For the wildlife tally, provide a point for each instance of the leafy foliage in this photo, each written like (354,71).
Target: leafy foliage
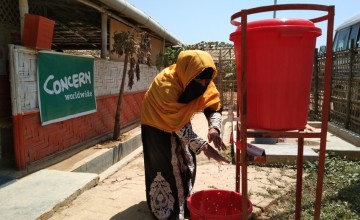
(94,53)
(209,45)
(341,189)
(167,57)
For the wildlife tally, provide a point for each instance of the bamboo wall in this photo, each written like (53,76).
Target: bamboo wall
(345,87)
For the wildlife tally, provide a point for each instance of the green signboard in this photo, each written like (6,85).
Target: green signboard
(65,86)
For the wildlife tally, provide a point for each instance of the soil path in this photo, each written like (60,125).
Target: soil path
(122,195)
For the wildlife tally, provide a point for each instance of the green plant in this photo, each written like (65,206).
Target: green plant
(209,45)
(167,56)
(341,192)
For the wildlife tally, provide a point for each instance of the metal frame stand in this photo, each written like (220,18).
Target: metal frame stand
(244,131)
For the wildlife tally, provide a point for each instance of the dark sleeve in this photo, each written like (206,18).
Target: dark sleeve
(209,111)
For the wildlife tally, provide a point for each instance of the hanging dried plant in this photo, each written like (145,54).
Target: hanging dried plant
(131,73)
(124,43)
(131,78)
(137,70)
(145,48)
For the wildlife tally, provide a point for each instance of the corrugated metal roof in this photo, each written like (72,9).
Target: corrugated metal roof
(78,25)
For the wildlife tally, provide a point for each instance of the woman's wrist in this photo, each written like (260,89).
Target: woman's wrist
(202,148)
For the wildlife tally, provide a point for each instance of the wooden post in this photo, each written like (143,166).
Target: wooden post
(316,83)
(23,9)
(104,29)
(348,96)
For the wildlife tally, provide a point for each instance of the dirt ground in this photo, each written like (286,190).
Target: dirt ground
(122,195)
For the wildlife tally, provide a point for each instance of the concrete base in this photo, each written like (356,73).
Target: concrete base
(287,154)
(35,197)
(101,156)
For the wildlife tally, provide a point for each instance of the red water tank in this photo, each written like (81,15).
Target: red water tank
(280,54)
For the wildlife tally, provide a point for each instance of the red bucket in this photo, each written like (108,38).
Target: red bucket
(280,54)
(216,204)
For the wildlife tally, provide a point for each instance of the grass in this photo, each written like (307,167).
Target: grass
(341,193)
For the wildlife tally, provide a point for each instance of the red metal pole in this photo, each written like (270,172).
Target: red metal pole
(237,142)
(243,121)
(299,174)
(325,112)
(237,166)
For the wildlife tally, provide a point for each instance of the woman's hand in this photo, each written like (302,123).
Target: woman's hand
(309,129)
(210,152)
(214,137)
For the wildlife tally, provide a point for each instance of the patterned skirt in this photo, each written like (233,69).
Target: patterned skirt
(170,168)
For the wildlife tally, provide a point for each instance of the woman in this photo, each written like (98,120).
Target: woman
(169,143)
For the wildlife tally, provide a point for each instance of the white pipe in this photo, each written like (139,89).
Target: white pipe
(85,2)
(275,2)
(23,9)
(139,16)
(104,42)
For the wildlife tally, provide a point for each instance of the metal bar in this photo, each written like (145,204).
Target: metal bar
(237,159)
(278,8)
(350,79)
(243,115)
(237,167)
(299,173)
(284,134)
(274,15)
(325,111)
(319,19)
(238,163)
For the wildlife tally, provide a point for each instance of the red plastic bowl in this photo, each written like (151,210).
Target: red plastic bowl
(216,204)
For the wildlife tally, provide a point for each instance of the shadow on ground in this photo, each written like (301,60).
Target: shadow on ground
(139,211)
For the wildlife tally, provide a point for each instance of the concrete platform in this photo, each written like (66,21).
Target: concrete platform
(38,195)
(100,157)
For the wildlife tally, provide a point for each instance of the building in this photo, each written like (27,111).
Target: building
(26,142)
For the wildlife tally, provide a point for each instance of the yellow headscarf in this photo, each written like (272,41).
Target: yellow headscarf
(160,107)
